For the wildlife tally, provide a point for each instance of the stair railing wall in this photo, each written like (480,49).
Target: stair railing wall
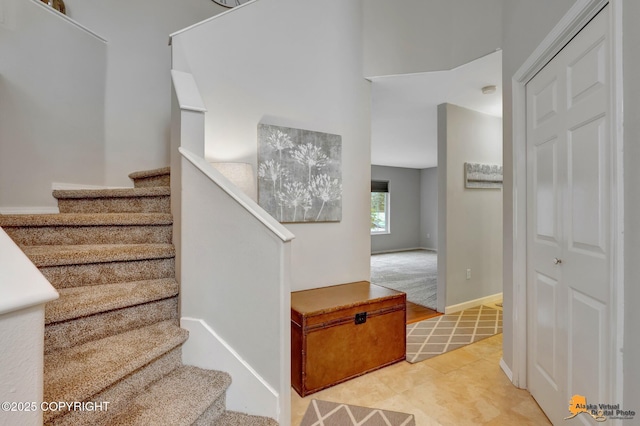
(24,293)
(233,265)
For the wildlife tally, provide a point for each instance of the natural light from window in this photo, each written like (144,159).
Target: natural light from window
(379,213)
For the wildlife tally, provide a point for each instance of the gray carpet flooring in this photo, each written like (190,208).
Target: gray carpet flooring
(414,272)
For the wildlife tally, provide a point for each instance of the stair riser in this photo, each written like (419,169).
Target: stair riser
(212,413)
(120,393)
(106,273)
(162,180)
(156,204)
(112,234)
(82,330)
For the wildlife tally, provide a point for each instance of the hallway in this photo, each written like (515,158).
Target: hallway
(462,387)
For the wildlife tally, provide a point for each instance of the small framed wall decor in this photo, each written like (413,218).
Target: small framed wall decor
(482,176)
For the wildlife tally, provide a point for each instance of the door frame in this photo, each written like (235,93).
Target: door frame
(574,20)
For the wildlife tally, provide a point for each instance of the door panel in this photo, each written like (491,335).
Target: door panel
(545,359)
(585,181)
(546,192)
(588,345)
(568,224)
(587,73)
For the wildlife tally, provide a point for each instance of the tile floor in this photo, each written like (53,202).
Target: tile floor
(462,387)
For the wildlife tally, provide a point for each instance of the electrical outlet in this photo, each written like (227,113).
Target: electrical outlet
(468,273)
(428,235)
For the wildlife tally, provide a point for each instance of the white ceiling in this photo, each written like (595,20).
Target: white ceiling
(404,109)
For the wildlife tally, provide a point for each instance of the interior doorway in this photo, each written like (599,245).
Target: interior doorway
(406,156)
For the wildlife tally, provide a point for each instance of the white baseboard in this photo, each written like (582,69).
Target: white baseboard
(471,303)
(505,368)
(249,392)
(404,249)
(429,249)
(29,210)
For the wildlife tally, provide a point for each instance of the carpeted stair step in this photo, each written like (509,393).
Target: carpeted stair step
(120,394)
(77,265)
(232,418)
(180,398)
(151,178)
(76,302)
(126,200)
(80,372)
(62,335)
(85,228)
(54,255)
(65,276)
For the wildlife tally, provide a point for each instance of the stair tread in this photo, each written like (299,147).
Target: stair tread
(179,398)
(233,418)
(85,219)
(113,193)
(76,302)
(77,373)
(56,255)
(150,173)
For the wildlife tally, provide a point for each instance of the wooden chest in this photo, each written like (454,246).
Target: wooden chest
(344,331)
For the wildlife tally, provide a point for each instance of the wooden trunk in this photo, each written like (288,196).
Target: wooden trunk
(344,331)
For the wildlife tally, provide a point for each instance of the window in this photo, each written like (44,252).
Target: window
(379,207)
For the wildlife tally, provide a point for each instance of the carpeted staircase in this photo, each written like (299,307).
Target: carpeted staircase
(114,335)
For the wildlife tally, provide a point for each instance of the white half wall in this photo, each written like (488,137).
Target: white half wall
(52,99)
(410,36)
(294,64)
(21,357)
(473,216)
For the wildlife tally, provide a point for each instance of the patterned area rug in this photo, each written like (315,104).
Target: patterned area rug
(414,272)
(324,413)
(435,336)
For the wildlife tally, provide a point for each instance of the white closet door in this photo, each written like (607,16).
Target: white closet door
(568,224)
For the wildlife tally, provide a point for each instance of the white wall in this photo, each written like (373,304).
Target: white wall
(631,39)
(409,36)
(138,90)
(404,209)
(429,208)
(473,216)
(524,25)
(295,64)
(52,95)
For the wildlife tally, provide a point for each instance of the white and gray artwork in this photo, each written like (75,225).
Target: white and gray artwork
(299,174)
(482,175)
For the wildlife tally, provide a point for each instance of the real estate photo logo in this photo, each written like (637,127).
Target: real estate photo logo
(599,412)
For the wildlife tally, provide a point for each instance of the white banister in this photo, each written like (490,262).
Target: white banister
(22,285)
(187,91)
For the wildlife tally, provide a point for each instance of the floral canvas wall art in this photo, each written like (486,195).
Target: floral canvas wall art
(299,174)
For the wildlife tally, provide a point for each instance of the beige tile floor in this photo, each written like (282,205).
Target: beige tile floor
(462,387)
